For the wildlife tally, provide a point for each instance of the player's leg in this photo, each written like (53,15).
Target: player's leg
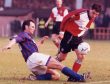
(75,42)
(65,47)
(55,74)
(56,40)
(61,34)
(51,74)
(55,34)
(77,64)
(53,63)
(61,56)
(37,65)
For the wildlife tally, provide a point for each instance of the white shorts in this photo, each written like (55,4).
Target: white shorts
(37,63)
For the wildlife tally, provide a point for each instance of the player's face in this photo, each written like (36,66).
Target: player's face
(93,13)
(31,28)
(59,3)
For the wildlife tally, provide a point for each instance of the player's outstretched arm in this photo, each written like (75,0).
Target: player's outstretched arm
(41,41)
(9,45)
(48,21)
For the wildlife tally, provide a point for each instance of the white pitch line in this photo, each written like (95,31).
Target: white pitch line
(97,82)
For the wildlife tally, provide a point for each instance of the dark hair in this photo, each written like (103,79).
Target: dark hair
(26,22)
(97,8)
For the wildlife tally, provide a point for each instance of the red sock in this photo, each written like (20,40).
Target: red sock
(76,66)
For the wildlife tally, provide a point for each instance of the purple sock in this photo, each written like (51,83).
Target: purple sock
(46,76)
(68,72)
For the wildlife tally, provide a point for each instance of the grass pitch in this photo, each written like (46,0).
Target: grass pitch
(13,69)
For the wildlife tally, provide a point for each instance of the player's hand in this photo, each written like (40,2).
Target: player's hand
(41,41)
(5,48)
(46,24)
(61,32)
(44,38)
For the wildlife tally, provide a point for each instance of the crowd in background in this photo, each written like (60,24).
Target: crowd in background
(43,4)
(102,21)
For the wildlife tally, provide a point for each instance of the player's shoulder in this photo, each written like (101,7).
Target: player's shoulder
(54,8)
(75,12)
(23,34)
(78,11)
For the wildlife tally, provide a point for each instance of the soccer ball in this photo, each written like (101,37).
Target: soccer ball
(83,48)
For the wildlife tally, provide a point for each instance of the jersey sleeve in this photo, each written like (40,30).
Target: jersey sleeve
(52,15)
(65,12)
(19,38)
(69,16)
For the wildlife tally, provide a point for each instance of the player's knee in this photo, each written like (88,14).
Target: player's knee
(56,76)
(60,66)
(81,57)
(62,59)
(80,60)
(53,63)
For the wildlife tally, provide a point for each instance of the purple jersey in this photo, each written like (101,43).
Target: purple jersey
(27,44)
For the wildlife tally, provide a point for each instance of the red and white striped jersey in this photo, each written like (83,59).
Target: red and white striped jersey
(58,13)
(78,24)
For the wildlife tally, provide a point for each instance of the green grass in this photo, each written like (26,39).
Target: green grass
(13,69)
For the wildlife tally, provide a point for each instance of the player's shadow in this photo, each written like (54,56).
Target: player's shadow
(13,78)
(26,79)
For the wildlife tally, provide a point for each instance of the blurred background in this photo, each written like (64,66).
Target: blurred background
(14,12)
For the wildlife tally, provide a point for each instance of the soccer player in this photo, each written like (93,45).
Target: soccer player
(57,15)
(75,24)
(41,65)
